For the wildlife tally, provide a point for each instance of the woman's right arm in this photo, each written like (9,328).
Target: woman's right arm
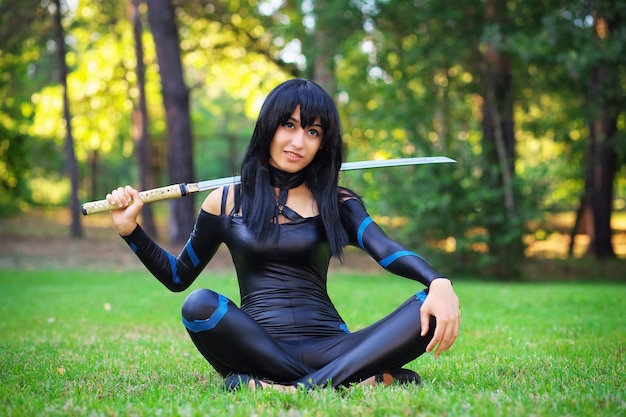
(175,273)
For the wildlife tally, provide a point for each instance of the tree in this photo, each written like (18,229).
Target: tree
(605,103)
(323,32)
(516,94)
(72,165)
(505,233)
(449,73)
(176,103)
(423,80)
(140,122)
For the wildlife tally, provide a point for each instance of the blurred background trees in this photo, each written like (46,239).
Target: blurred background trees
(527,96)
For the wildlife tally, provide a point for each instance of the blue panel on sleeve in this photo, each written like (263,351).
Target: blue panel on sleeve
(389,259)
(174,268)
(192,254)
(133,247)
(366,221)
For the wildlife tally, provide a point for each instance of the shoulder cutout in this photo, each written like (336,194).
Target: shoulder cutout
(213,202)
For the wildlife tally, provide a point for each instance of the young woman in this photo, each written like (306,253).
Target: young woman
(282,225)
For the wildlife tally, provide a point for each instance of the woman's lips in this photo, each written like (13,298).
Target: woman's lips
(292,156)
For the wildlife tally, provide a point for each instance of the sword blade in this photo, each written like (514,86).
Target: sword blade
(380,163)
(217,183)
(346,166)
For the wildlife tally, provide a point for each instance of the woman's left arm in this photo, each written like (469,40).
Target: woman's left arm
(391,255)
(442,302)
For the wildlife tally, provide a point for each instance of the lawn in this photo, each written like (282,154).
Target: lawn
(111,344)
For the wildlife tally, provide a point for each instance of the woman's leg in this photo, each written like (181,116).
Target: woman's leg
(386,345)
(234,343)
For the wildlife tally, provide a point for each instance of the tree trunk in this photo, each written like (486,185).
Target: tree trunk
(76,229)
(320,48)
(504,227)
(580,223)
(604,103)
(176,102)
(323,67)
(93,162)
(140,124)
(601,164)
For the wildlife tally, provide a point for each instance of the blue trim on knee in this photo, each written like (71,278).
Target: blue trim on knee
(344,328)
(207,324)
(421,296)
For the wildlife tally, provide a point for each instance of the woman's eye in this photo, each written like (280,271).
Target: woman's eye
(289,124)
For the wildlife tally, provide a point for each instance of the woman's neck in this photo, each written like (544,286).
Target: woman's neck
(286,180)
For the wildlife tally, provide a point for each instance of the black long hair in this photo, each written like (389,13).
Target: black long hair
(258,196)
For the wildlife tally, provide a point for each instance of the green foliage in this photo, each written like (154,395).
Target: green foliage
(424,62)
(407,77)
(22,154)
(15,162)
(91,349)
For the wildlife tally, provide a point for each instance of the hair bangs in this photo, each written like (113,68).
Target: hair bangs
(313,105)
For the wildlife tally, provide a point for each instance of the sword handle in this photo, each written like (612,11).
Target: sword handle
(148,196)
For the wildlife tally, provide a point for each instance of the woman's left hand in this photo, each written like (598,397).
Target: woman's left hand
(443,304)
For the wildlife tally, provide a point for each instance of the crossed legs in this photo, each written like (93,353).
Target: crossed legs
(233,343)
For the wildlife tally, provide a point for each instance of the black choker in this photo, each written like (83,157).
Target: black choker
(286,180)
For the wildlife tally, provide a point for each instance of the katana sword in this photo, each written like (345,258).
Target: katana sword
(184,189)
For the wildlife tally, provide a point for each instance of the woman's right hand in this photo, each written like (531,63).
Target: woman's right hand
(129,204)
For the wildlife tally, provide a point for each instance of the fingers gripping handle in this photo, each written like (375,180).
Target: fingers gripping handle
(148,196)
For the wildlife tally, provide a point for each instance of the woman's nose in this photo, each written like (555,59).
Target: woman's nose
(297,138)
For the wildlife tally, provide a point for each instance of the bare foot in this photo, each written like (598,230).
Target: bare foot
(271,385)
(387,380)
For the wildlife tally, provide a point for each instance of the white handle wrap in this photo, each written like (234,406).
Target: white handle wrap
(148,196)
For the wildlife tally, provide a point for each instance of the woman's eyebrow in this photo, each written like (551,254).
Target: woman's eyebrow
(293,119)
(314,125)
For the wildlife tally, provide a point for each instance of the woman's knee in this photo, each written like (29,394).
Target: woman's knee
(200,304)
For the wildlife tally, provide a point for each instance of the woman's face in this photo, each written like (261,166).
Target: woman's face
(294,146)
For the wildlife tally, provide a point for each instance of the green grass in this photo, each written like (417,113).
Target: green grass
(111,344)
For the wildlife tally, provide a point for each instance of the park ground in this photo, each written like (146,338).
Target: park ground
(79,338)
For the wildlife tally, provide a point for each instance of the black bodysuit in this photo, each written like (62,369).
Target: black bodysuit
(287,329)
